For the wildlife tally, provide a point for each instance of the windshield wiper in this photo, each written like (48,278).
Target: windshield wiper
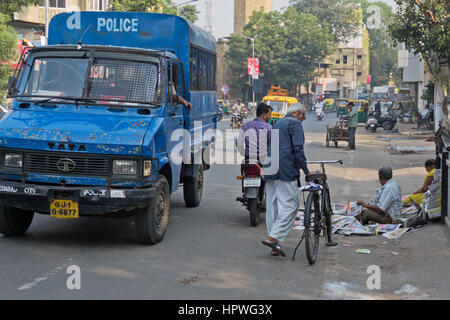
(67,98)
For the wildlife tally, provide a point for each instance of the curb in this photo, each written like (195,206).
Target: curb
(410,149)
(418,133)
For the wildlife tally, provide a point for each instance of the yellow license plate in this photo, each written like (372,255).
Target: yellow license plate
(64,209)
(276,115)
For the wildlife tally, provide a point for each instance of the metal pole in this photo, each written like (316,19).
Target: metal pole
(46,20)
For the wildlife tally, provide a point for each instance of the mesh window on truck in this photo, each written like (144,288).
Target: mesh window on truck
(129,79)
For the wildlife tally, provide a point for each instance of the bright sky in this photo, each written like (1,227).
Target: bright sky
(223,10)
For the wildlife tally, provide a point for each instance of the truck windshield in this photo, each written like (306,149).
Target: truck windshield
(62,77)
(109,78)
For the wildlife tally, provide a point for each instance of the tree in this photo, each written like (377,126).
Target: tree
(289,46)
(8,7)
(8,40)
(337,15)
(423,27)
(189,12)
(383,55)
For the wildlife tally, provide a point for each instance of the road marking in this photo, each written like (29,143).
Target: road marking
(44,277)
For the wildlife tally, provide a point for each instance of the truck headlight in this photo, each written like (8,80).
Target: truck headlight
(125,167)
(14,160)
(147,170)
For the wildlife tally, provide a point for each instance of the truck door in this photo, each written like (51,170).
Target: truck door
(175,120)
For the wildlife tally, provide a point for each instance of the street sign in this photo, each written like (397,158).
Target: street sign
(225,89)
(253,67)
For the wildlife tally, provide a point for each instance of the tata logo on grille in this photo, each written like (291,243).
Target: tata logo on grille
(66,165)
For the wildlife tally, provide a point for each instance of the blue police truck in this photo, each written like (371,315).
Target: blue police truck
(91,128)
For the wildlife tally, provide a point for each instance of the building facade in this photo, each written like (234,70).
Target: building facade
(413,73)
(29,23)
(345,72)
(243,10)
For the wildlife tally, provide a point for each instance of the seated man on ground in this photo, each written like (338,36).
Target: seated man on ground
(386,205)
(417,197)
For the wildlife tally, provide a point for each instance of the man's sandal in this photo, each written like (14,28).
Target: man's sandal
(275,246)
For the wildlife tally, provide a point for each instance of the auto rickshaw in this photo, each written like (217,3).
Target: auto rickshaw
(363,109)
(329,105)
(225,105)
(341,106)
(279,104)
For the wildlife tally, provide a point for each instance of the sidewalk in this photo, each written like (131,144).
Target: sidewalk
(411,140)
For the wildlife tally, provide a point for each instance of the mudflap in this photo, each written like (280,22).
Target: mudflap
(251,193)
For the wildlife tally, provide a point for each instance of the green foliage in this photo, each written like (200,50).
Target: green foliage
(8,40)
(383,56)
(189,12)
(337,15)
(8,7)
(289,46)
(424,28)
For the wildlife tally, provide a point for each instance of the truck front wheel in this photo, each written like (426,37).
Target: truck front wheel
(151,222)
(193,189)
(14,221)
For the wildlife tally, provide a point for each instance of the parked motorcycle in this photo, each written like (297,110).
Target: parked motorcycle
(253,196)
(387,122)
(319,112)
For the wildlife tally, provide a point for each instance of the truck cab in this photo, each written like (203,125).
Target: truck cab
(99,125)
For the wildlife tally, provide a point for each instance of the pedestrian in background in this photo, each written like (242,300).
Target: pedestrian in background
(282,188)
(352,125)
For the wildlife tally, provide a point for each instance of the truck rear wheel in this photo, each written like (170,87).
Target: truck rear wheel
(193,189)
(14,221)
(151,222)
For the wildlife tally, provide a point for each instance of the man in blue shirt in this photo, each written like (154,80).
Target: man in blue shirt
(386,205)
(282,187)
(254,138)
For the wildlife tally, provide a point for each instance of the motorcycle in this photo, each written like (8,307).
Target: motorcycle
(244,112)
(319,112)
(253,196)
(387,122)
(219,113)
(237,120)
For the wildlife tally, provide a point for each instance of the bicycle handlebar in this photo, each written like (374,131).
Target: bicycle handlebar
(325,161)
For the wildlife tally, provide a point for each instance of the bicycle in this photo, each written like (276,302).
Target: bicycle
(318,212)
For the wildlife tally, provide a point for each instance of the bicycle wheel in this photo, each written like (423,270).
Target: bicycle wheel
(312,226)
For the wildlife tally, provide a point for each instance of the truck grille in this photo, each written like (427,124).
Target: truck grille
(80,165)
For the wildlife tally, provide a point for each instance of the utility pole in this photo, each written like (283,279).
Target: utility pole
(209,20)
(46,20)
(253,56)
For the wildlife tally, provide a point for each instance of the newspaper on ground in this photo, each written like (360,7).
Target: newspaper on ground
(396,233)
(383,228)
(346,209)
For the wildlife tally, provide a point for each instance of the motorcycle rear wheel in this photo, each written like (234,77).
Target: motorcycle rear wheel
(254,211)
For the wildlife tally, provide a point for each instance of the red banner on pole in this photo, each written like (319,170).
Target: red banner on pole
(253,66)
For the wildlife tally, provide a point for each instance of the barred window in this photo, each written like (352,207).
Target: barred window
(202,70)
(127,80)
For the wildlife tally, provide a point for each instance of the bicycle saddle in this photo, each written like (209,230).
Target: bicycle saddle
(316,177)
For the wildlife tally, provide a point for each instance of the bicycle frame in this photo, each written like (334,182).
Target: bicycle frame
(324,194)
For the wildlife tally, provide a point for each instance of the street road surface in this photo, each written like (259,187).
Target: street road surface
(212,252)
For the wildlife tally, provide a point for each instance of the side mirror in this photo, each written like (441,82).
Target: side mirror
(11,85)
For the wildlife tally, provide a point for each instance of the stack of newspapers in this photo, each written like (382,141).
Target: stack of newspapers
(432,198)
